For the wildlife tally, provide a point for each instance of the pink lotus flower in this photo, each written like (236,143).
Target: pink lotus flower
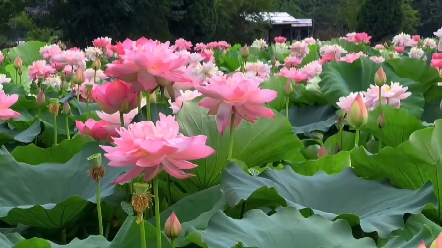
(185,96)
(207,55)
(182,44)
(345,102)
(114,119)
(299,49)
(6,101)
(199,47)
(351,57)
(98,130)
(102,42)
(116,96)
(296,75)
(280,39)
(379,46)
(391,95)
(312,69)
(399,49)
(292,62)
(72,57)
(1,57)
(377,59)
(416,37)
(155,147)
(235,94)
(47,52)
(39,69)
(141,66)
(90,73)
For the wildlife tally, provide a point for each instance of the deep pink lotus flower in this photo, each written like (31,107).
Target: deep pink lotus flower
(237,94)
(40,69)
(280,39)
(292,62)
(155,147)
(182,44)
(352,57)
(149,60)
(102,42)
(98,130)
(116,96)
(399,49)
(6,101)
(199,47)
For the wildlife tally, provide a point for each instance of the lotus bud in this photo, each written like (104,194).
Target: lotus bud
(358,114)
(66,108)
(288,88)
(18,63)
(78,77)
(172,227)
(322,151)
(41,99)
(96,65)
(245,52)
(141,199)
(95,163)
(381,120)
(380,78)
(54,106)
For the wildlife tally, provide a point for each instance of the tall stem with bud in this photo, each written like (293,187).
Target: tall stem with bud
(380,80)
(231,135)
(96,171)
(357,116)
(54,108)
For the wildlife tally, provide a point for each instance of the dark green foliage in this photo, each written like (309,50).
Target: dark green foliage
(380,18)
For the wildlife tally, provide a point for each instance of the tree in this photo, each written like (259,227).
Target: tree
(381,19)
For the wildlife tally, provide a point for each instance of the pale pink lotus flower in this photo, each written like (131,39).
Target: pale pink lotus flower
(403,40)
(223,45)
(391,95)
(351,57)
(310,41)
(429,43)
(40,69)
(153,148)
(296,75)
(6,101)
(235,94)
(47,52)
(312,69)
(299,50)
(68,69)
(102,42)
(54,82)
(187,95)
(203,71)
(438,33)
(142,65)
(199,47)
(83,89)
(258,69)
(292,61)
(182,44)
(89,74)
(71,57)
(345,102)
(93,53)
(4,79)
(336,50)
(377,59)
(259,43)
(379,46)
(195,58)
(98,130)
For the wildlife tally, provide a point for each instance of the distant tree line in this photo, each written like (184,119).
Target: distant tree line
(80,21)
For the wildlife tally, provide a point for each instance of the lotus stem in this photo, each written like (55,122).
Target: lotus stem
(172,243)
(100,217)
(148,110)
(67,127)
(357,137)
(169,191)
(140,97)
(380,107)
(143,235)
(55,130)
(157,211)
(78,93)
(232,129)
(121,119)
(287,102)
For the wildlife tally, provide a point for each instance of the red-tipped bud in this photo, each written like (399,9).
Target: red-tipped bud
(172,227)
(358,114)
(18,63)
(245,52)
(41,99)
(380,78)
(66,108)
(78,77)
(322,152)
(96,65)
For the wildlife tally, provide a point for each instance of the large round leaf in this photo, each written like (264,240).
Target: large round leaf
(330,164)
(410,165)
(399,125)
(376,206)
(340,79)
(312,118)
(277,84)
(28,52)
(285,229)
(50,195)
(265,141)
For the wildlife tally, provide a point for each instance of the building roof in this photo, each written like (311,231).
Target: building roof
(280,18)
